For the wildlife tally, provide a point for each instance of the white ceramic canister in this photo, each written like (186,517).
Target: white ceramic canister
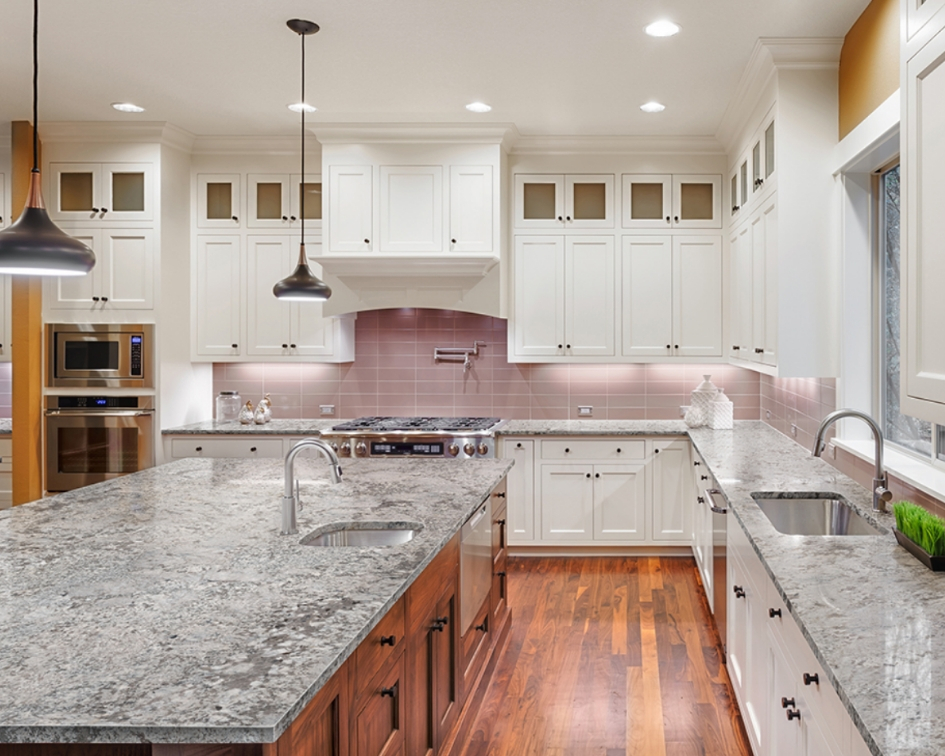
(700,403)
(722,412)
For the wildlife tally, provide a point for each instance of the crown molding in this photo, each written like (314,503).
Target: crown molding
(768,56)
(246,145)
(139,132)
(415,133)
(617,145)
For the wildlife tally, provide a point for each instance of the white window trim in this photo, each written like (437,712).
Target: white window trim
(916,471)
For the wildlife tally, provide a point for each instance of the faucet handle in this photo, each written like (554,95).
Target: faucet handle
(884,493)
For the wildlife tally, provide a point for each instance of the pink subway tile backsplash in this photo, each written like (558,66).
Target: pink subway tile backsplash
(394,373)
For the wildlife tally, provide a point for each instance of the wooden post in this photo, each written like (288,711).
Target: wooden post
(26,345)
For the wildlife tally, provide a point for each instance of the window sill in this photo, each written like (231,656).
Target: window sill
(918,473)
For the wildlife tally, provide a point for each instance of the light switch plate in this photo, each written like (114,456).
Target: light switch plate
(585,411)
(326,409)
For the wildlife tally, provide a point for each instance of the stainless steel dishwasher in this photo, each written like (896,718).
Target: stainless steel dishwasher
(719,509)
(475,563)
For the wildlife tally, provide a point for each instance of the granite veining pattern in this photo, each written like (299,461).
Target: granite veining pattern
(275,427)
(593,428)
(164,606)
(6,426)
(872,614)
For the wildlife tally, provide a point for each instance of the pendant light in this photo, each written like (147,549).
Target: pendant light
(302,285)
(34,245)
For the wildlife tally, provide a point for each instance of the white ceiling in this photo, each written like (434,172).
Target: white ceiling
(559,67)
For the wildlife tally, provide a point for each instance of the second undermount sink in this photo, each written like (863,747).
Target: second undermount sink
(364,534)
(812,515)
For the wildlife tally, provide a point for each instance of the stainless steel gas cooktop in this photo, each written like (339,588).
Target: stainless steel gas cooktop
(459,437)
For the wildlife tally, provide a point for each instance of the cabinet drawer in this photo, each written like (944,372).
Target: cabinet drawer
(269,448)
(442,571)
(379,721)
(476,643)
(616,449)
(384,642)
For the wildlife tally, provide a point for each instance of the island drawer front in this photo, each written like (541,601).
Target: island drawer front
(240,448)
(476,644)
(378,728)
(427,588)
(377,648)
(616,449)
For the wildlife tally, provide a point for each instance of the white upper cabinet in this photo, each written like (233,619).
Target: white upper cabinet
(217,289)
(268,201)
(350,208)
(697,201)
(305,200)
(741,294)
(218,200)
(411,208)
(559,201)
(647,296)
(122,279)
(697,296)
(564,297)
(472,215)
(101,192)
(919,13)
(647,201)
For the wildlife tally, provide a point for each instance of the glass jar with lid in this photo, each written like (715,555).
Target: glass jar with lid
(228,406)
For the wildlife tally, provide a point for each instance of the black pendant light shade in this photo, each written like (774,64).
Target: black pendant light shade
(34,245)
(302,285)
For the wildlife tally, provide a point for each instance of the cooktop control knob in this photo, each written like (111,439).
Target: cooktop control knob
(334,447)
(360,449)
(345,449)
(469,449)
(482,449)
(453,449)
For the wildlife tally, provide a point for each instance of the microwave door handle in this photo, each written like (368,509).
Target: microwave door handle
(102,413)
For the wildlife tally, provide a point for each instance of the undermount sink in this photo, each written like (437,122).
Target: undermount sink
(813,515)
(363,534)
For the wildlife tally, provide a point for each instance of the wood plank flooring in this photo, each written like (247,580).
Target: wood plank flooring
(611,657)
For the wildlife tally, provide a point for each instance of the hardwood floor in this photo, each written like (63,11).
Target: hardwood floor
(608,656)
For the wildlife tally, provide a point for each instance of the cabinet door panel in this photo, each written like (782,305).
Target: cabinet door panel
(567,502)
(312,333)
(268,319)
(521,489)
(130,269)
(127,192)
(697,296)
(76,292)
(742,307)
(378,728)
(311,195)
(539,201)
(647,273)
(589,201)
(218,295)
(74,191)
(218,200)
(697,201)
(471,208)
(350,208)
(647,201)
(589,296)
(446,669)
(539,296)
(784,735)
(619,502)
(267,201)
(411,203)
(759,293)
(672,491)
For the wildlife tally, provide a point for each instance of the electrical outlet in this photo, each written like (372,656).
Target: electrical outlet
(794,430)
(326,409)
(585,411)
(767,414)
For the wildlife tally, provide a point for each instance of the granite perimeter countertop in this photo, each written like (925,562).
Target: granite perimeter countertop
(872,614)
(165,607)
(593,428)
(6,426)
(275,427)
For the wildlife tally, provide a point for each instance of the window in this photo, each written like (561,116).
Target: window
(905,431)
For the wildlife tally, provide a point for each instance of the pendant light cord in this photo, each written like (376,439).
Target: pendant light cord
(302,139)
(35,85)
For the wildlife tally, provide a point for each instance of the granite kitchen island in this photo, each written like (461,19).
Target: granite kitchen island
(164,607)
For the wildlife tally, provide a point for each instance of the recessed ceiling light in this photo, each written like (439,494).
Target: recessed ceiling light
(302,107)
(127,107)
(652,107)
(662,29)
(478,107)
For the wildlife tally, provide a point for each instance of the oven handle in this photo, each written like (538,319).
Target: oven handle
(710,492)
(104,413)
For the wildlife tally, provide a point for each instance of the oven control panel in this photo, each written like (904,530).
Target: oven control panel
(97,402)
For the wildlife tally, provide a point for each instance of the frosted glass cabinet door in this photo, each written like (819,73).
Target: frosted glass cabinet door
(589,296)
(588,201)
(218,200)
(127,192)
(539,201)
(218,294)
(697,296)
(127,265)
(267,203)
(647,201)
(268,319)
(647,296)
(697,201)
(539,296)
(350,208)
(306,198)
(471,208)
(411,204)
(74,191)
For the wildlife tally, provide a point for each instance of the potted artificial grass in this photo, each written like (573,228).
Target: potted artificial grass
(921,533)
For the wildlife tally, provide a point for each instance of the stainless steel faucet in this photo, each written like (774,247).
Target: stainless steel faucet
(881,494)
(290,497)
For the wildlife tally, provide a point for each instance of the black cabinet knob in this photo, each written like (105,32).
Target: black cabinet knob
(500,574)
(560,346)
(499,495)
(292,346)
(588,475)
(667,219)
(676,346)
(252,448)
(619,450)
(235,346)
(94,209)
(676,218)
(518,445)
(696,463)
(482,628)
(104,210)
(759,350)
(656,451)
(568,218)
(437,627)
(785,702)
(199,448)
(567,450)
(95,299)
(700,499)
(104,299)
(285,346)
(285,218)
(236,219)
(367,241)
(442,620)
(793,714)
(388,640)
(813,679)
(560,218)
(704,477)
(453,241)
(596,475)
(735,348)
(669,346)
(569,346)
(389,692)
(775,613)
(738,591)
(292,218)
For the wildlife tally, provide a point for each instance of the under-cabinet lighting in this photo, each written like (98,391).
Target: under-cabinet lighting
(662,29)
(652,107)
(302,107)
(127,107)
(478,107)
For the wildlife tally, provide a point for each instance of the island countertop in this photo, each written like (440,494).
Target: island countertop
(165,607)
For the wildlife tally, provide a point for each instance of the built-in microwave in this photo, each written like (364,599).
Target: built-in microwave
(116,355)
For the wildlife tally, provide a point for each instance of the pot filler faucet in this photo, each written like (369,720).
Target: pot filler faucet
(881,494)
(290,498)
